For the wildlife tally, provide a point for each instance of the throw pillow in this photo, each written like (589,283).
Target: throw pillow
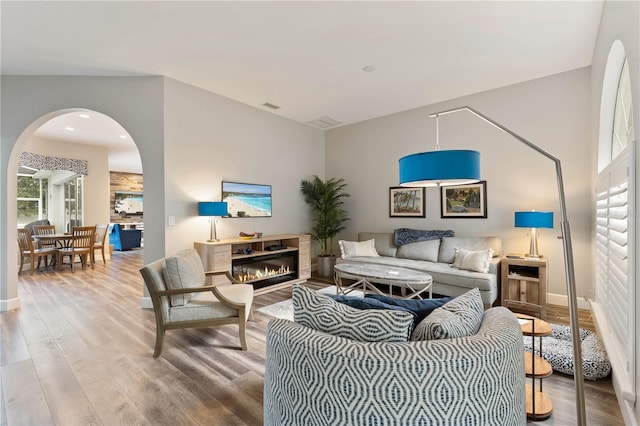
(460,317)
(478,261)
(422,250)
(421,308)
(183,270)
(358,248)
(321,313)
(370,303)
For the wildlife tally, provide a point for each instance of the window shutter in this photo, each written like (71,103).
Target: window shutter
(615,273)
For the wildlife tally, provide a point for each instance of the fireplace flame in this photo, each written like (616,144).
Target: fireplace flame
(267,272)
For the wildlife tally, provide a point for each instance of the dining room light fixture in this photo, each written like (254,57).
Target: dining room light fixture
(213,209)
(424,170)
(440,167)
(533,220)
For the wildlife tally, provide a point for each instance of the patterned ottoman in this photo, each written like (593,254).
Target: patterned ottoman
(557,349)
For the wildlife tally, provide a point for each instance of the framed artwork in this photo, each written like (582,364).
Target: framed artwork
(406,202)
(464,201)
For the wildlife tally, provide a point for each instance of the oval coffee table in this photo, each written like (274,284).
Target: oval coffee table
(366,274)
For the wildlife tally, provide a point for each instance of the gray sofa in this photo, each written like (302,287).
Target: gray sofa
(435,257)
(313,378)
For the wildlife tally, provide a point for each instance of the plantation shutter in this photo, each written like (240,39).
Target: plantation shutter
(615,269)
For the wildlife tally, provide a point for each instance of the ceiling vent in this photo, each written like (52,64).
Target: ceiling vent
(324,122)
(270,105)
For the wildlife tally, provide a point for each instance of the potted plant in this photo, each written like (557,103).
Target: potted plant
(326,199)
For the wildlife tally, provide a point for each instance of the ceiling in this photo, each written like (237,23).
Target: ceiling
(348,61)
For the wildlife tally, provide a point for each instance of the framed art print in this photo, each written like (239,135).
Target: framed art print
(462,201)
(406,202)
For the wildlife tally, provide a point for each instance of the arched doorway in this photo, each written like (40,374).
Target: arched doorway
(47,147)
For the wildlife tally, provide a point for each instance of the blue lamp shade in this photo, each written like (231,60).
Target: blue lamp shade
(534,219)
(446,167)
(212,208)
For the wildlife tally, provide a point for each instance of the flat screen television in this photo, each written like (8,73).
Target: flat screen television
(247,199)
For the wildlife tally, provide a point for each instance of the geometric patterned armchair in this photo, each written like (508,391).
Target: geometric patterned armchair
(181,298)
(314,378)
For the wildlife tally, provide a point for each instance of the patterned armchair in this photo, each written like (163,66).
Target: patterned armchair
(313,378)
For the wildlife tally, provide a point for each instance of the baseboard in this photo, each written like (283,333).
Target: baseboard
(145,303)
(9,305)
(563,300)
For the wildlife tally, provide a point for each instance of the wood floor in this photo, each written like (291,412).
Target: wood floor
(79,349)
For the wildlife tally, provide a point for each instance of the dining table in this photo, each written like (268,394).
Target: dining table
(61,240)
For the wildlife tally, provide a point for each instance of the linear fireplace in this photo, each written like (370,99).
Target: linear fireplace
(262,271)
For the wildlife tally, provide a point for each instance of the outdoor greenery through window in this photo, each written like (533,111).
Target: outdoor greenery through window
(32,199)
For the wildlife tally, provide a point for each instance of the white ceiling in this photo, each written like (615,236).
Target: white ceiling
(306,57)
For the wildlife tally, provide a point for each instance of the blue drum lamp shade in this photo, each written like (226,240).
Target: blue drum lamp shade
(533,220)
(446,167)
(213,209)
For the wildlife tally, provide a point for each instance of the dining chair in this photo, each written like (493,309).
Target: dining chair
(44,230)
(82,241)
(27,250)
(98,244)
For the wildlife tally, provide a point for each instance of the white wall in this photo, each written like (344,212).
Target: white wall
(620,21)
(551,112)
(210,138)
(96,183)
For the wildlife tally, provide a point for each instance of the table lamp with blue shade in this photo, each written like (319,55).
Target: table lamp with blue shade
(534,220)
(213,209)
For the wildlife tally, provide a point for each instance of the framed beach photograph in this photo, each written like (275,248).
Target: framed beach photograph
(406,202)
(462,201)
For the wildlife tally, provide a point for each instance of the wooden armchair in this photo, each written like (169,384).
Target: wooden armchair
(182,300)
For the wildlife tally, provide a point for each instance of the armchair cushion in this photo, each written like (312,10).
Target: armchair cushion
(184,270)
(204,305)
(460,317)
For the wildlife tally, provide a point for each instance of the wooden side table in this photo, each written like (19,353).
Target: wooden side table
(538,406)
(524,279)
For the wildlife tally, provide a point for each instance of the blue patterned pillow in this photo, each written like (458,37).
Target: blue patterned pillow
(403,236)
(322,313)
(421,308)
(458,318)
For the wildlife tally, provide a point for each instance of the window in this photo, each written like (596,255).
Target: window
(622,118)
(32,198)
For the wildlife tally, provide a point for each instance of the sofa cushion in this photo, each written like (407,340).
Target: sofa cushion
(448,246)
(421,308)
(402,236)
(460,317)
(383,242)
(363,303)
(320,312)
(478,261)
(183,270)
(423,250)
(357,248)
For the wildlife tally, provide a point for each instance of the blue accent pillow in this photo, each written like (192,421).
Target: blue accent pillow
(421,308)
(370,303)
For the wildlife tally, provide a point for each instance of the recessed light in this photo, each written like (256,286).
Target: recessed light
(84,116)
(71,129)
(123,136)
(369,68)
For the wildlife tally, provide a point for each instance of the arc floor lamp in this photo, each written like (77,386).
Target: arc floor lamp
(435,168)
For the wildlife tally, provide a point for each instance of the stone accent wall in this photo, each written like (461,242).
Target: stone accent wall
(119,181)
